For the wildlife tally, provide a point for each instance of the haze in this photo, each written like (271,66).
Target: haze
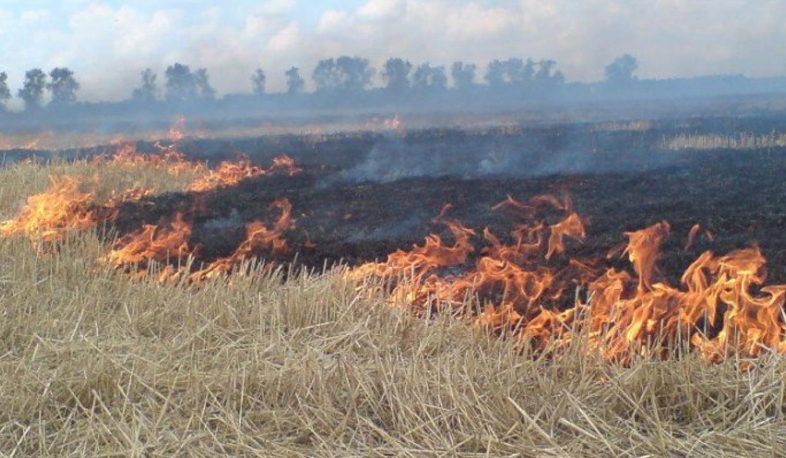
(107,44)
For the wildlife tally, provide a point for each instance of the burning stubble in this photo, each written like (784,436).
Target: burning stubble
(526,285)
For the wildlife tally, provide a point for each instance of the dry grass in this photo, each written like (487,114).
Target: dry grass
(92,364)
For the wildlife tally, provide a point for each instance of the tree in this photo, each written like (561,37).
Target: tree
(204,88)
(33,90)
(356,73)
(180,83)
(148,92)
(295,83)
(396,74)
(184,86)
(63,86)
(463,75)
(258,79)
(621,70)
(510,72)
(429,78)
(348,74)
(5,93)
(548,73)
(326,75)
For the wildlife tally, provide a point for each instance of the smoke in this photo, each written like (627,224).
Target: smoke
(108,44)
(456,154)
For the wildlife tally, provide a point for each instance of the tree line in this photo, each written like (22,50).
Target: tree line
(342,75)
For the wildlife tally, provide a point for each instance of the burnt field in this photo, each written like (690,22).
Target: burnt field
(360,198)
(495,291)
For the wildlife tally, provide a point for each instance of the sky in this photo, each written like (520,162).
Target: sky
(108,43)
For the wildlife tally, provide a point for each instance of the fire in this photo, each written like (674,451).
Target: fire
(715,310)
(232,173)
(259,240)
(160,243)
(523,284)
(169,244)
(51,214)
(169,159)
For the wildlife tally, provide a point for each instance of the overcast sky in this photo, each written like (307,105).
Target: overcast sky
(107,43)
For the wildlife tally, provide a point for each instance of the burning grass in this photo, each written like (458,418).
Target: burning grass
(252,365)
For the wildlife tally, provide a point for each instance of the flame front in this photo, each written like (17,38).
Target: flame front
(523,284)
(625,314)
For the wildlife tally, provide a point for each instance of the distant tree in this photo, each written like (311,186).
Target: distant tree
(463,75)
(295,84)
(258,79)
(182,85)
(148,92)
(204,88)
(621,70)
(396,74)
(496,74)
(356,73)
(513,71)
(326,75)
(548,73)
(349,74)
(33,90)
(63,86)
(5,93)
(429,78)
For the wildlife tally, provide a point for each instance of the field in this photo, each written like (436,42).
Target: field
(300,347)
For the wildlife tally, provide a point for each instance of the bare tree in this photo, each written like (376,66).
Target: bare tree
(148,92)
(258,80)
(295,83)
(63,86)
(396,74)
(33,90)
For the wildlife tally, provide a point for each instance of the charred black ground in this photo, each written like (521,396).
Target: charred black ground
(362,196)
(737,195)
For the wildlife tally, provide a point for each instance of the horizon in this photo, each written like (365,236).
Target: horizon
(108,43)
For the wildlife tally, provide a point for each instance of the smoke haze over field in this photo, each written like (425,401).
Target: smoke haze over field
(108,43)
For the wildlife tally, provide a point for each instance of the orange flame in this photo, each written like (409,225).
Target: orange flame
(152,243)
(232,173)
(50,215)
(259,240)
(716,311)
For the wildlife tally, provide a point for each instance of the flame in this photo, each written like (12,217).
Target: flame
(50,215)
(175,133)
(232,173)
(524,284)
(160,243)
(174,162)
(694,231)
(259,240)
(626,314)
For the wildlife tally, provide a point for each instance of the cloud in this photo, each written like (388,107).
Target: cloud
(380,10)
(108,43)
